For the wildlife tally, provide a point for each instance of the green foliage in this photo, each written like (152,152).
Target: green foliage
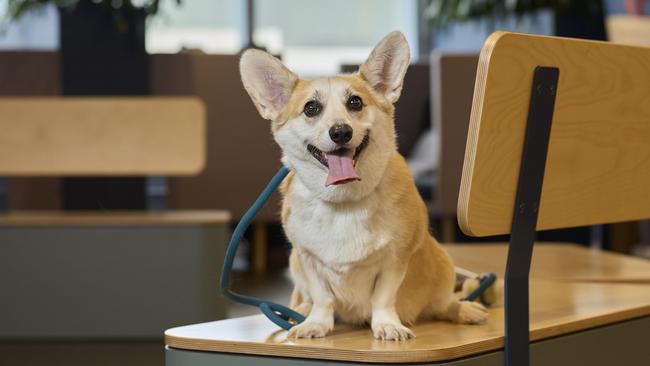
(441,13)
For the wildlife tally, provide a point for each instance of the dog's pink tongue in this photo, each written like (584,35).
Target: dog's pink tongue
(341,168)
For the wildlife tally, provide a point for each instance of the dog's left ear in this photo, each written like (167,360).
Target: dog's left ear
(267,81)
(386,66)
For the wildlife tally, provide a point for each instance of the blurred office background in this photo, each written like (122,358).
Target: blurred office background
(190,48)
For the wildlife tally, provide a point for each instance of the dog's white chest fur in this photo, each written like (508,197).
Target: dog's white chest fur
(343,243)
(336,234)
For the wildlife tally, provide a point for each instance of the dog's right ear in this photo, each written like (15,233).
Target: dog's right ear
(386,66)
(267,81)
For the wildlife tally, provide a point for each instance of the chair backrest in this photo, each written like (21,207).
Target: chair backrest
(452,87)
(597,167)
(101,136)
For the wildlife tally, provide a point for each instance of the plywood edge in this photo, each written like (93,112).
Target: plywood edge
(115,218)
(473,133)
(395,355)
(590,323)
(334,354)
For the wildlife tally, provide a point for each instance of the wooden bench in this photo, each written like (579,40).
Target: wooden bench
(560,306)
(106,275)
(578,159)
(596,172)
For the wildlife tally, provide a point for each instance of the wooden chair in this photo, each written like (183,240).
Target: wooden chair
(595,94)
(105,275)
(596,152)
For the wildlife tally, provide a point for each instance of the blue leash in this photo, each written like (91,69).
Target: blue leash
(485,282)
(278,314)
(281,315)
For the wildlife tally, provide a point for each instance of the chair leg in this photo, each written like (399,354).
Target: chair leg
(644,232)
(448,230)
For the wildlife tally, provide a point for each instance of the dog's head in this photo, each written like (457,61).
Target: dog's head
(336,133)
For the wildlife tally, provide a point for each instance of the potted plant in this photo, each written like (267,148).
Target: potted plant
(572,18)
(102,43)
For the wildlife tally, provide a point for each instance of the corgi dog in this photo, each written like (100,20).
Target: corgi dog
(362,252)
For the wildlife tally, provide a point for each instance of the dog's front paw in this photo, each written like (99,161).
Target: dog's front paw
(471,312)
(309,329)
(391,332)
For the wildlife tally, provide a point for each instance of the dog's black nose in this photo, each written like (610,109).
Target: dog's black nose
(341,133)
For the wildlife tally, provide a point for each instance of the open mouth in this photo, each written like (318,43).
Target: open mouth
(322,157)
(340,162)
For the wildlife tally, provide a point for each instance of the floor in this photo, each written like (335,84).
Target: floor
(82,353)
(274,287)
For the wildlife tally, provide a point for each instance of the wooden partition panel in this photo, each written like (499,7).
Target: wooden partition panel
(598,165)
(241,154)
(101,136)
(452,87)
(31,73)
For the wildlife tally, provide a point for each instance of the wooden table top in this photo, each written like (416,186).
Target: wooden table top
(113,218)
(556,308)
(561,261)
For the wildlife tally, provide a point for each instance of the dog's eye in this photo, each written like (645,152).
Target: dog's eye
(312,108)
(355,103)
